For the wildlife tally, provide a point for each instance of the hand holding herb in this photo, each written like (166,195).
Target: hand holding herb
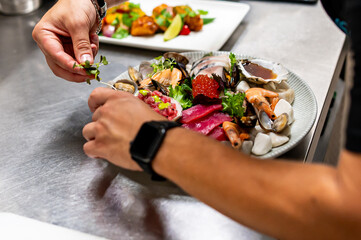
(92,69)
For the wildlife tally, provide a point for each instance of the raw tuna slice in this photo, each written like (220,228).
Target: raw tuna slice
(198,111)
(218,134)
(207,124)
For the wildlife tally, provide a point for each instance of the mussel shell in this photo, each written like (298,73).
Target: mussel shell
(179,58)
(160,87)
(183,69)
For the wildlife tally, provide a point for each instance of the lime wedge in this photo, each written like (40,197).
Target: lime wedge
(174,28)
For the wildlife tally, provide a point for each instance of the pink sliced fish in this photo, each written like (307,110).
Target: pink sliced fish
(218,134)
(207,124)
(199,111)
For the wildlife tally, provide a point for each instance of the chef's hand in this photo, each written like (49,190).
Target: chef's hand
(66,34)
(117,119)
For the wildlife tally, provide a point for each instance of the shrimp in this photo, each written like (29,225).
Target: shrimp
(257,96)
(232,131)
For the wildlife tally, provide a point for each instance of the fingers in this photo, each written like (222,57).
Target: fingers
(100,95)
(94,43)
(93,150)
(81,44)
(89,131)
(60,72)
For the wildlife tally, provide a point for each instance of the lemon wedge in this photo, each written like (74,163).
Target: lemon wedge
(174,28)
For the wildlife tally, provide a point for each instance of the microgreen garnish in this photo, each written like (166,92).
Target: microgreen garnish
(161,64)
(92,69)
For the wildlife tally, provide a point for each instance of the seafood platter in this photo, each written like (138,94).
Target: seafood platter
(172,25)
(254,105)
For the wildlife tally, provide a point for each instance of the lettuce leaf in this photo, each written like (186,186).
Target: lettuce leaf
(181,94)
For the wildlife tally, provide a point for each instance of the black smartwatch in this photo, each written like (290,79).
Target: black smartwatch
(147,143)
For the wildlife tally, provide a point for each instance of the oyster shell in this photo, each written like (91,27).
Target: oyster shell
(262,71)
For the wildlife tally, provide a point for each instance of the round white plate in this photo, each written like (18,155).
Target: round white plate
(304,106)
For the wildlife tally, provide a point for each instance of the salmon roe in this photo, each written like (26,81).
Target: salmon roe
(205,85)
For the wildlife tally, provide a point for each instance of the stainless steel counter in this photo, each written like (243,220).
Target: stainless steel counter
(44,173)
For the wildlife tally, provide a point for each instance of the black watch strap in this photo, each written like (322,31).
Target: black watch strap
(146,144)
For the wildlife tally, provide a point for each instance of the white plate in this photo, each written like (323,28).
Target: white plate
(228,15)
(304,106)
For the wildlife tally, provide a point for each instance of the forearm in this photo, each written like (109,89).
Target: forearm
(280,198)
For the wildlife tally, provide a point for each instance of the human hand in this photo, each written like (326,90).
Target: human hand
(66,34)
(117,119)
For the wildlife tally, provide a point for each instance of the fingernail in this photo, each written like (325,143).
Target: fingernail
(85,57)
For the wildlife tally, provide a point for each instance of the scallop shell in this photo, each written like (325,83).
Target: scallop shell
(282,72)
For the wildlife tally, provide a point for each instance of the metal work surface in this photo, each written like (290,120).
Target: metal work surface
(44,173)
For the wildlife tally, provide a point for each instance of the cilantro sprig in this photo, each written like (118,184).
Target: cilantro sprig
(92,69)
(233,104)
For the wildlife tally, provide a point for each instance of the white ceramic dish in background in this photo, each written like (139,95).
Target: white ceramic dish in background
(304,105)
(228,15)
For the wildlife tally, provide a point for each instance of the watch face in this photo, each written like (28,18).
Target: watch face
(146,143)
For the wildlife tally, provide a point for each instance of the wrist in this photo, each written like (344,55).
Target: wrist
(146,144)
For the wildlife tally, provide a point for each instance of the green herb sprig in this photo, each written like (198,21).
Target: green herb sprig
(233,61)
(92,69)
(161,64)
(233,104)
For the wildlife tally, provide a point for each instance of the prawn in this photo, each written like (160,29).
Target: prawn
(257,96)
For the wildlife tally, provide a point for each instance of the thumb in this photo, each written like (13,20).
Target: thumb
(82,47)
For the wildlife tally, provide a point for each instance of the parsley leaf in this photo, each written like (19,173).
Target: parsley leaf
(233,104)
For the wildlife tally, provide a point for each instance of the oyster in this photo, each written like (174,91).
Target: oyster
(262,72)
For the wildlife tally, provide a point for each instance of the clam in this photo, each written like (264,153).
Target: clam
(284,106)
(262,72)
(135,75)
(267,124)
(280,123)
(179,58)
(145,69)
(125,85)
